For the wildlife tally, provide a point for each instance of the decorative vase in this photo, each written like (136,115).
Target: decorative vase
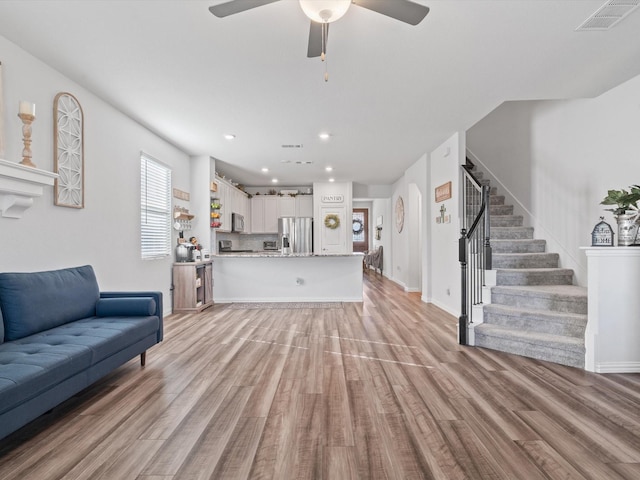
(627,229)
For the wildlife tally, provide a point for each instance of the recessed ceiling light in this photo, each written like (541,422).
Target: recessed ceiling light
(264,169)
(328,169)
(274,180)
(229,136)
(324,135)
(332,179)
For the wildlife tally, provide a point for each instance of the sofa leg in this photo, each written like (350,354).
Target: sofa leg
(143,358)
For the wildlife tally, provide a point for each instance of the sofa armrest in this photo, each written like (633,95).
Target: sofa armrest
(157,296)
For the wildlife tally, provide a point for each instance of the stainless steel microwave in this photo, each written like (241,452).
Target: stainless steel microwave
(237,222)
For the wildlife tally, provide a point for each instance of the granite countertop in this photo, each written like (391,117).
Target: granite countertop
(271,254)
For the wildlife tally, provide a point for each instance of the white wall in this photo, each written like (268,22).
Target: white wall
(399,240)
(444,271)
(361,191)
(559,158)
(106,233)
(416,180)
(381,207)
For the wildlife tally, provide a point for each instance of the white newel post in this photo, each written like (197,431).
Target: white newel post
(612,337)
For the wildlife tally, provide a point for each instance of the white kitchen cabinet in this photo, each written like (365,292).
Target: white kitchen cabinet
(233,200)
(264,214)
(224,195)
(286,206)
(304,206)
(271,214)
(257,214)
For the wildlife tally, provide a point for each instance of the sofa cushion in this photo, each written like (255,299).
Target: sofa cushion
(33,364)
(34,302)
(1,327)
(125,307)
(28,369)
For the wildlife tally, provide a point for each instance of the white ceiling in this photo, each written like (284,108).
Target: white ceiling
(394,92)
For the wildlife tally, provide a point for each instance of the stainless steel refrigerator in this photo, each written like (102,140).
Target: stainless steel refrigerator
(295,235)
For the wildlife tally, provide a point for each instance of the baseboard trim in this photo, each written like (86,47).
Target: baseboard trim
(446,308)
(618,367)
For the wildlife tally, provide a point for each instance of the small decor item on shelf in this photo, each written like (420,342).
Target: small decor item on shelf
(215,212)
(626,212)
(602,234)
(27,113)
(332,221)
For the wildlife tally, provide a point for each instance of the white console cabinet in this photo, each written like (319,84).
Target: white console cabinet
(612,338)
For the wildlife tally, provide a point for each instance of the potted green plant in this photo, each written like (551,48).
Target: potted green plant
(626,213)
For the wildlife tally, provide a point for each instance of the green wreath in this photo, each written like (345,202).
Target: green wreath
(357,226)
(332,221)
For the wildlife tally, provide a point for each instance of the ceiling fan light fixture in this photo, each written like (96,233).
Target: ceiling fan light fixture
(325,11)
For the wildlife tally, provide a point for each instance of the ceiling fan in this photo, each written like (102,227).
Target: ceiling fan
(323,12)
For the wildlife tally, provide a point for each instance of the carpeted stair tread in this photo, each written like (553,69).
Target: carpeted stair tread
(525,260)
(496,199)
(534,276)
(564,290)
(543,346)
(561,298)
(506,220)
(511,233)
(501,209)
(568,324)
(518,245)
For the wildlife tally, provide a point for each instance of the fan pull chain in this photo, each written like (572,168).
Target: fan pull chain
(325,27)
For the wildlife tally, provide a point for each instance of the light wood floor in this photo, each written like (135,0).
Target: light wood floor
(373,390)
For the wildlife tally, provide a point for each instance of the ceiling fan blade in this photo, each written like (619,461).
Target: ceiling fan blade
(403,10)
(315,40)
(237,6)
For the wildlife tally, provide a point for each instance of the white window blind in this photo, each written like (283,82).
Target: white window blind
(155,202)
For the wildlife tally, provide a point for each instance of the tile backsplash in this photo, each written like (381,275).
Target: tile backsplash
(251,241)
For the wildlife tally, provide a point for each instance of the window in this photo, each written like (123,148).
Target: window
(155,202)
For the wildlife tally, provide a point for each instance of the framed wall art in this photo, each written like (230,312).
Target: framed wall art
(68,151)
(443,192)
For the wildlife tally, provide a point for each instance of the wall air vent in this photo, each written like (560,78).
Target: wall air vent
(608,15)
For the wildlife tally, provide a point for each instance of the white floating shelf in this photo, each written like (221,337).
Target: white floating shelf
(19,185)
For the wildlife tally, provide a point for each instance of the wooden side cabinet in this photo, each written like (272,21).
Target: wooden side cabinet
(192,286)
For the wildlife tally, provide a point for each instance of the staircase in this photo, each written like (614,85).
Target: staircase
(535,311)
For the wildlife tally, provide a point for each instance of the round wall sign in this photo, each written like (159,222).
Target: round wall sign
(399,214)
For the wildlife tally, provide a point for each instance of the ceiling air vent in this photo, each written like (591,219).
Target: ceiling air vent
(608,15)
(299,145)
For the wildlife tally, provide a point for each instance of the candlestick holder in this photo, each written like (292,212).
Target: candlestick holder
(27,120)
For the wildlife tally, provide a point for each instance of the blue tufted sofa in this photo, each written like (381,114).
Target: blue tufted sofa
(59,334)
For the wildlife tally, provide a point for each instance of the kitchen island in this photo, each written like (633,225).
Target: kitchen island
(273,277)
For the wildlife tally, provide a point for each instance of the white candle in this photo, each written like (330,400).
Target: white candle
(27,108)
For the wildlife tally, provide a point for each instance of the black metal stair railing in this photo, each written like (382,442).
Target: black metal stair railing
(474,247)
